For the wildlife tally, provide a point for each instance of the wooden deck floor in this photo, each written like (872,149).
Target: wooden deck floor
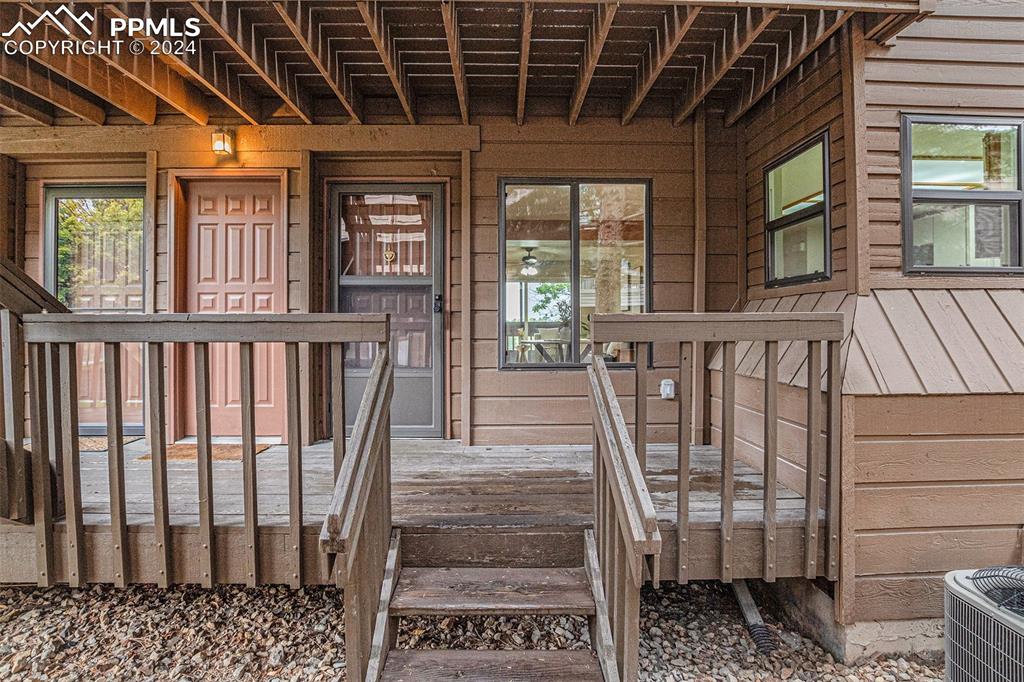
(441,488)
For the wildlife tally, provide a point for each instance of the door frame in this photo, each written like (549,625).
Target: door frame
(438,188)
(177,262)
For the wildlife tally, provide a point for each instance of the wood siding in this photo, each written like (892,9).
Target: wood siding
(965,59)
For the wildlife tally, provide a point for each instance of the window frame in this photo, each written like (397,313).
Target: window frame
(908,195)
(825,210)
(574,240)
(53,193)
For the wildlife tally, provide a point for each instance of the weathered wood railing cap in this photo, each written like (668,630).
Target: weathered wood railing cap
(206,328)
(22,295)
(651,327)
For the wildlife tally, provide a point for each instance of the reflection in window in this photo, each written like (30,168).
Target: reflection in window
(796,215)
(548,311)
(385,234)
(965,194)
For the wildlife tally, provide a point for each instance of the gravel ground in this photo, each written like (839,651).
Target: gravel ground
(688,633)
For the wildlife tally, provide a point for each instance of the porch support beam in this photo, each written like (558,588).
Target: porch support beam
(205,66)
(604,15)
(524,61)
(298,17)
(26,105)
(804,39)
(15,70)
(372,12)
(749,24)
(251,45)
(875,6)
(670,33)
(92,73)
(450,18)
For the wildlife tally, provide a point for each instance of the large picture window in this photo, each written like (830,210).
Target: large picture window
(796,215)
(962,198)
(569,250)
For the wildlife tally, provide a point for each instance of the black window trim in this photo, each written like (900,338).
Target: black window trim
(974,196)
(825,210)
(574,183)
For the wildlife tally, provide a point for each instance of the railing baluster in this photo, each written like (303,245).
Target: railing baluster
(245,355)
(833,474)
(338,404)
(291,355)
(204,466)
(115,462)
(72,465)
(158,450)
(728,454)
(56,433)
(642,355)
(771,445)
(42,499)
(812,487)
(683,464)
(13,480)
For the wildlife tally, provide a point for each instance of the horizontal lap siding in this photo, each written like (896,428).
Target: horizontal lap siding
(964,59)
(804,108)
(939,486)
(550,406)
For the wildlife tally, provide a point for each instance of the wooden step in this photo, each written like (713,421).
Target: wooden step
(411,665)
(492,591)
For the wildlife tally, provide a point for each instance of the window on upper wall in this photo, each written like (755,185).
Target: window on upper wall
(796,211)
(570,249)
(962,198)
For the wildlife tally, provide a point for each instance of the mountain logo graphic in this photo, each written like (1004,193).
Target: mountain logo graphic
(82,20)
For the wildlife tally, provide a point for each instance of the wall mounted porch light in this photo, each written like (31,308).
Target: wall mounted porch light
(223,142)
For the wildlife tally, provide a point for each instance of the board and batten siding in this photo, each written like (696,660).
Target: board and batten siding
(967,59)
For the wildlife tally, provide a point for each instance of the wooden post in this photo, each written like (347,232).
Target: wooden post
(158,451)
(701,390)
(640,405)
(466,304)
(812,485)
(252,531)
(771,457)
(833,474)
(75,531)
(14,479)
(684,431)
(728,455)
(115,462)
(42,499)
(294,407)
(338,404)
(204,466)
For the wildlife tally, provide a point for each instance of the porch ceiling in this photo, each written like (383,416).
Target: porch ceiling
(320,61)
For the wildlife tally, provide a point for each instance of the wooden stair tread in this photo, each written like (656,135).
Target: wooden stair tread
(411,665)
(492,591)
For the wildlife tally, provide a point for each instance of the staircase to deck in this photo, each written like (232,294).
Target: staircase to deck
(434,592)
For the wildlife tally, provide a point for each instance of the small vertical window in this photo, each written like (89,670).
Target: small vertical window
(962,194)
(797,215)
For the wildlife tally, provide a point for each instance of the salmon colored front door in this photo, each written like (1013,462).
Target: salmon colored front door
(236,264)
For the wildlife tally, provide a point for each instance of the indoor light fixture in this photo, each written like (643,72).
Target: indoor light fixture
(223,142)
(529,262)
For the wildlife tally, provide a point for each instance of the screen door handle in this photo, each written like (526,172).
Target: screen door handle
(437,303)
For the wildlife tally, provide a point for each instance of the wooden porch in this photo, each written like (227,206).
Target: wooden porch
(521,505)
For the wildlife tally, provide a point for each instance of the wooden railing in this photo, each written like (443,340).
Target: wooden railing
(357,531)
(628,543)
(164,552)
(682,332)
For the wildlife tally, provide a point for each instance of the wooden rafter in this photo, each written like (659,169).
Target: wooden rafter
(749,24)
(297,16)
(802,40)
(89,72)
(372,12)
(15,70)
(450,18)
(25,105)
(524,61)
(204,65)
(251,45)
(669,34)
(604,15)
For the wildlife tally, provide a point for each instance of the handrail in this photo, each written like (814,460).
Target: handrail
(625,523)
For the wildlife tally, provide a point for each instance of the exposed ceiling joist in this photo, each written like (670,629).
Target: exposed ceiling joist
(25,105)
(604,15)
(524,61)
(372,12)
(667,37)
(749,24)
(804,39)
(251,45)
(15,70)
(204,65)
(450,18)
(297,16)
(89,72)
